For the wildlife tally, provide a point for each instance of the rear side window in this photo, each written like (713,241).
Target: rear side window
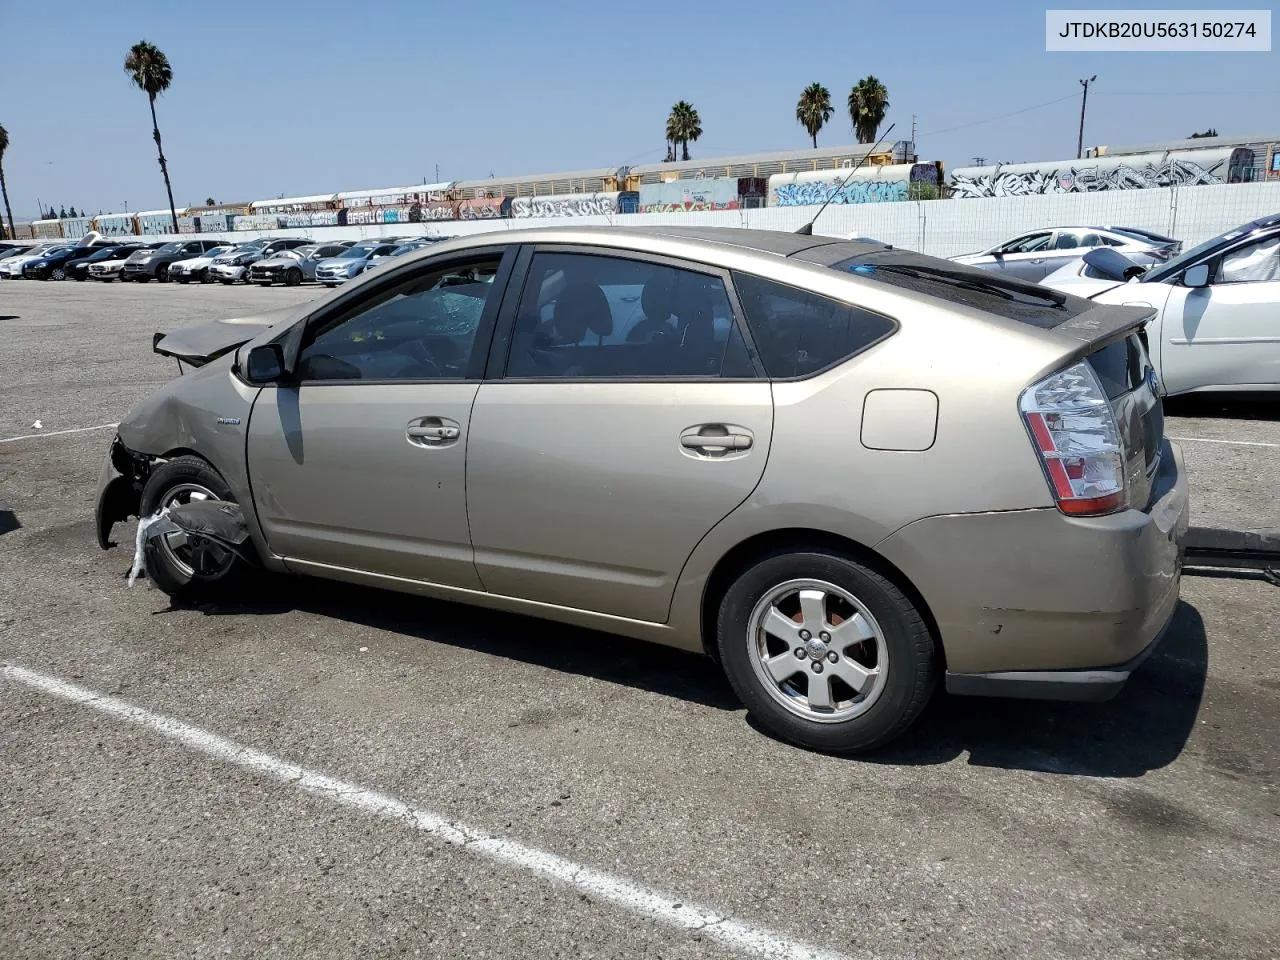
(798,333)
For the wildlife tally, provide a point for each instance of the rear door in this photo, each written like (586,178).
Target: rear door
(622,420)
(360,465)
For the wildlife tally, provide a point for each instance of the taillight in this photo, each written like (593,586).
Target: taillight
(1074,430)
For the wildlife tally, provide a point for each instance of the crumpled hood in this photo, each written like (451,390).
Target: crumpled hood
(197,345)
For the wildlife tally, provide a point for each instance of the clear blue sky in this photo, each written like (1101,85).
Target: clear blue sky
(316,97)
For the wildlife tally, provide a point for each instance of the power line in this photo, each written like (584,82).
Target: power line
(1012,113)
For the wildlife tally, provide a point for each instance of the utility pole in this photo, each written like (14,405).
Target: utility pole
(1084,98)
(913,131)
(979,161)
(437,173)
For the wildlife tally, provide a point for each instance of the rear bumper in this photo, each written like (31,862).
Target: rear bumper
(1033,603)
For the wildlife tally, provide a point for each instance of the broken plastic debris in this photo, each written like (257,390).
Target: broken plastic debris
(37,425)
(139,562)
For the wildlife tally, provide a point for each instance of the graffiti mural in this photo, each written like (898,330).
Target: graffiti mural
(1143,171)
(116,224)
(257,221)
(484,208)
(880,184)
(565,205)
(698,193)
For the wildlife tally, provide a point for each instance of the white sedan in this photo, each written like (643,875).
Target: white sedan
(196,268)
(1217,322)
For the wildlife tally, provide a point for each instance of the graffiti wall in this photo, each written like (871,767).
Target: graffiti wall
(484,208)
(1143,171)
(313,218)
(46,229)
(565,205)
(115,224)
(710,193)
(75,227)
(257,221)
(864,185)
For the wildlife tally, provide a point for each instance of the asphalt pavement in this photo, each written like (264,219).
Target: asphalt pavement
(332,771)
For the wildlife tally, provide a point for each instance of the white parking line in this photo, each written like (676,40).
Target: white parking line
(1238,443)
(57,433)
(635,898)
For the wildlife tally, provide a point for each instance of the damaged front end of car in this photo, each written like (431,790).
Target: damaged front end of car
(120,486)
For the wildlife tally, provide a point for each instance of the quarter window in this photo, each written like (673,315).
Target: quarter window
(798,333)
(589,316)
(422,329)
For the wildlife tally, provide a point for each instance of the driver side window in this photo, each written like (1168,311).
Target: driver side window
(421,329)
(1256,263)
(1026,244)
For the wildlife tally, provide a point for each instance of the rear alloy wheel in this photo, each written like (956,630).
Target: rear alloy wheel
(176,569)
(162,273)
(825,652)
(292,277)
(58,274)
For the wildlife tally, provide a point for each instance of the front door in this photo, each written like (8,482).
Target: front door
(361,465)
(628,423)
(1228,333)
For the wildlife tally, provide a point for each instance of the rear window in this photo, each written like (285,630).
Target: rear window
(966,286)
(1121,366)
(798,333)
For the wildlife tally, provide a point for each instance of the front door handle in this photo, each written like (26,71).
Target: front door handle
(715,439)
(433,431)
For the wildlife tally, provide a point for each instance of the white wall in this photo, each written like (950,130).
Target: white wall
(939,227)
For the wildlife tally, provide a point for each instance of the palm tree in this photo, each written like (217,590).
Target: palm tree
(4,145)
(868,103)
(673,137)
(684,125)
(150,70)
(814,109)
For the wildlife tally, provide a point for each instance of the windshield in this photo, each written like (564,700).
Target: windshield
(170,248)
(407,248)
(58,251)
(354,252)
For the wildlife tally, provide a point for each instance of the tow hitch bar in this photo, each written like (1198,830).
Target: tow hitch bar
(1235,550)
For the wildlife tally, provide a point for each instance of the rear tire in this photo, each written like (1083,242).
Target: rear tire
(162,273)
(177,481)
(825,652)
(292,277)
(58,274)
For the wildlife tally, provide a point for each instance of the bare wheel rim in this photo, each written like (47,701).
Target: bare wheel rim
(817,651)
(175,544)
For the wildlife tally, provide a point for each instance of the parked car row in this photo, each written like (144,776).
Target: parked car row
(265,261)
(1036,254)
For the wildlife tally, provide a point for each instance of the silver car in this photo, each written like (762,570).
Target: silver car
(352,262)
(1035,255)
(847,472)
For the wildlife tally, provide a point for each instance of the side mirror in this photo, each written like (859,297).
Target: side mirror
(1197,276)
(265,364)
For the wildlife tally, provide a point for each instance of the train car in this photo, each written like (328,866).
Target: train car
(313,204)
(47,229)
(867,184)
(629,201)
(211,218)
(73,228)
(155,223)
(312,218)
(566,205)
(116,224)
(599,180)
(1138,171)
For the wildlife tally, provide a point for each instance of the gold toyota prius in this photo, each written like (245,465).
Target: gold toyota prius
(843,470)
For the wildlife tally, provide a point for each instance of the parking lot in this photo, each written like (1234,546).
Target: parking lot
(500,787)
